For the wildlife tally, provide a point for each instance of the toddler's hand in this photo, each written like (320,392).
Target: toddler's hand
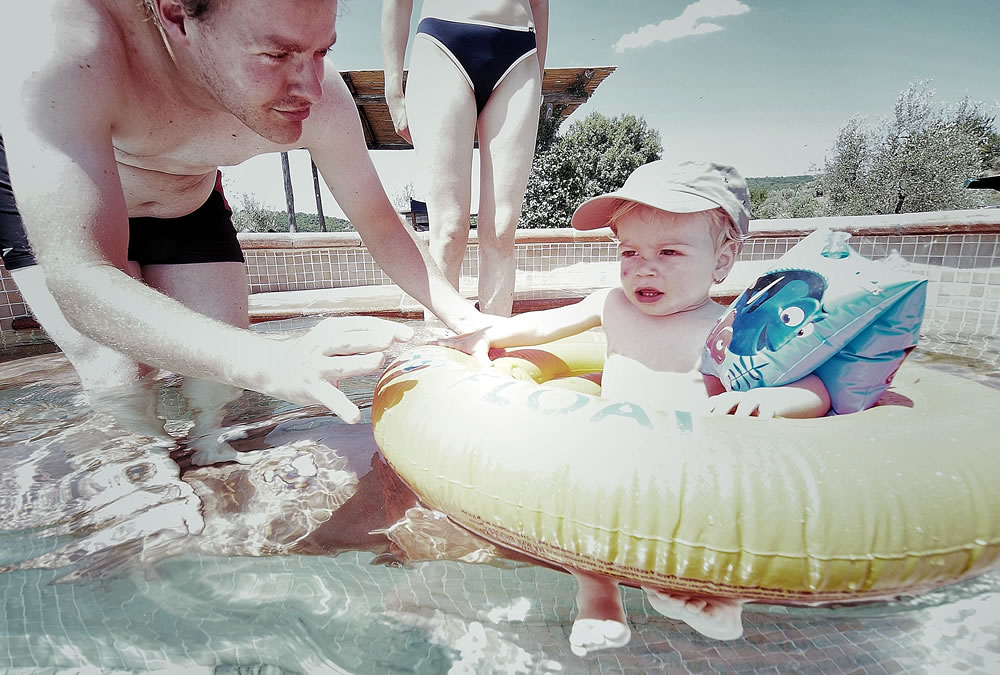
(474,343)
(803,398)
(763,402)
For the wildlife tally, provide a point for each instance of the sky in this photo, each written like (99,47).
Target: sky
(764,85)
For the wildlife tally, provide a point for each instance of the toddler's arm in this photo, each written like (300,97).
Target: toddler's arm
(803,398)
(533,328)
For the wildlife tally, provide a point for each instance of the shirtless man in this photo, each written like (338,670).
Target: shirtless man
(123,109)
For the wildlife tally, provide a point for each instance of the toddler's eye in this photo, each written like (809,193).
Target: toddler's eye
(668,251)
(627,254)
(793,316)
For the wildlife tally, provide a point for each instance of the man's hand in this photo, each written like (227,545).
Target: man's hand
(333,349)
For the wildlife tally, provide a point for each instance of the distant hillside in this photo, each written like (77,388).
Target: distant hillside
(778,182)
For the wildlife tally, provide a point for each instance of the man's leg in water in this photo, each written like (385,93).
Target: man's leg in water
(218,290)
(600,617)
(717,618)
(113,382)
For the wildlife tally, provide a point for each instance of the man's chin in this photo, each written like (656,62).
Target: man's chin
(281,132)
(285,133)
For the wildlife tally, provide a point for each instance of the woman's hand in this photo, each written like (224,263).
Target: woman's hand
(397,110)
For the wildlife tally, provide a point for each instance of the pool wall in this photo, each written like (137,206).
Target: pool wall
(958,251)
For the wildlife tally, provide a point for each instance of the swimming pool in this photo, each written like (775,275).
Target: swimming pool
(315,558)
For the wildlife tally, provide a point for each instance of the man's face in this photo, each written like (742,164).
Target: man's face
(263,60)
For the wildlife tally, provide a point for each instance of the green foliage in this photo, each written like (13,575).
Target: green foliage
(784,196)
(593,157)
(773,190)
(916,160)
(799,201)
(249,215)
(309,222)
(548,126)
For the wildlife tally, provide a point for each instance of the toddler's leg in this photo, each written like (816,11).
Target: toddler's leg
(600,619)
(717,618)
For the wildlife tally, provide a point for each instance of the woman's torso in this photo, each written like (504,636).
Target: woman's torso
(506,12)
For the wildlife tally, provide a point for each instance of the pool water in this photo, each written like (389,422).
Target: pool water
(313,557)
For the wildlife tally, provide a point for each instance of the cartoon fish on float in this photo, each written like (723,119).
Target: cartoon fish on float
(780,307)
(824,308)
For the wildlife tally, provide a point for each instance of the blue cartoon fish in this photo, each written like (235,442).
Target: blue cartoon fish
(781,306)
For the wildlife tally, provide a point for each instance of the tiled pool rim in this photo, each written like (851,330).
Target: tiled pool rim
(958,251)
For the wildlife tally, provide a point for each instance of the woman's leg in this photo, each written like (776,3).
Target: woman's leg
(508,126)
(441,111)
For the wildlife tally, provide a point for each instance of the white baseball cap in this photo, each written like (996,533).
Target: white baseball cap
(688,187)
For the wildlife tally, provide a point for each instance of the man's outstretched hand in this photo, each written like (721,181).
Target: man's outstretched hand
(311,366)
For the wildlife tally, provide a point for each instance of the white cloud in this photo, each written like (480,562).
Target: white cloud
(684,25)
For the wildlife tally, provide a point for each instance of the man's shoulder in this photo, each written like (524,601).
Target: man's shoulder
(78,38)
(335,111)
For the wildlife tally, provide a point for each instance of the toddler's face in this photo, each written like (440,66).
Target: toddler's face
(667,260)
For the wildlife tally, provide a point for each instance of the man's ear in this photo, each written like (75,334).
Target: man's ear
(172,18)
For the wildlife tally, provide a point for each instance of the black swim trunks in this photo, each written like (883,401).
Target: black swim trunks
(206,235)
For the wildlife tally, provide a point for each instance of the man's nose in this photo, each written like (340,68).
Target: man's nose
(307,82)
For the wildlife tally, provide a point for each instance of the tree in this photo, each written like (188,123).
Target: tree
(916,160)
(401,198)
(595,156)
(799,202)
(251,216)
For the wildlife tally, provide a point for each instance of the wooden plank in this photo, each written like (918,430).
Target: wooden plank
(566,87)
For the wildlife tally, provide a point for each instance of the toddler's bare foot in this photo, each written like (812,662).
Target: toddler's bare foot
(600,621)
(717,618)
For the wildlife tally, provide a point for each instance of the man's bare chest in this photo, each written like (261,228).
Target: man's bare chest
(184,142)
(168,157)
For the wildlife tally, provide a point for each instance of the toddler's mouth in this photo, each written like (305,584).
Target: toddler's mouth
(648,294)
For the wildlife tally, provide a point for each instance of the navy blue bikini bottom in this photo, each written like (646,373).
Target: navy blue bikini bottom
(485,53)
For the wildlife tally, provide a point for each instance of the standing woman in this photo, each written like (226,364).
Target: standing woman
(474,65)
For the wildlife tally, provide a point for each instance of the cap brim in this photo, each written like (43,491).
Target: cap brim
(596,211)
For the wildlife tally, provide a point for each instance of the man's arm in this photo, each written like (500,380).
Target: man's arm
(337,145)
(57,117)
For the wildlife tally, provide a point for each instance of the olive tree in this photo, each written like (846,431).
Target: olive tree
(917,159)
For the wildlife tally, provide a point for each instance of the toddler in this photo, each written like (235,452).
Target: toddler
(679,229)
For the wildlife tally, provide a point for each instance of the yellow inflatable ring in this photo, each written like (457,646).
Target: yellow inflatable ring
(889,501)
